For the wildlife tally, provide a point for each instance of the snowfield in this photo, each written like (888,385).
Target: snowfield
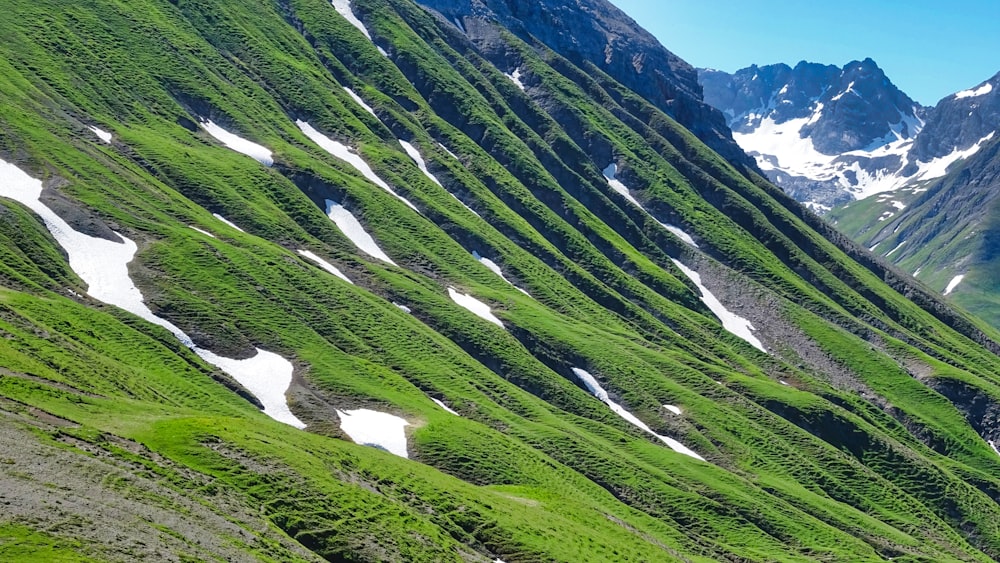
(373,428)
(350,156)
(732,322)
(595,389)
(239,144)
(352,229)
(103,266)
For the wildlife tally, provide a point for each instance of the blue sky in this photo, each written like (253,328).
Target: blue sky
(929,49)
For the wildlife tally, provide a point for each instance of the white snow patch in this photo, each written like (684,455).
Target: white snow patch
(994,446)
(938,167)
(850,89)
(917,273)
(403,308)
(898,204)
(596,390)
(103,266)
(975,93)
(101,134)
(898,246)
(382,51)
(232,141)
(783,382)
(343,8)
(441,404)
(954,283)
(817,207)
(324,264)
(227,221)
(673,409)
(458,23)
(351,157)
(610,171)
(515,77)
(361,102)
(451,154)
(495,268)
(732,322)
(417,158)
(266,375)
(475,306)
(202,231)
(352,229)
(373,428)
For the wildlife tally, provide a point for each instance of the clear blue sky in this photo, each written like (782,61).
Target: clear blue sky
(929,49)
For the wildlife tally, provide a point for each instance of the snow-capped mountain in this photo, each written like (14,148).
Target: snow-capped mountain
(829,135)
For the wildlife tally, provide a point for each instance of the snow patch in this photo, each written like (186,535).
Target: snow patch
(515,77)
(227,221)
(994,446)
(403,308)
(204,232)
(373,428)
(938,167)
(898,246)
(101,134)
(451,154)
(610,171)
(348,155)
(103,266)
(234,142)
(673,409)
(732,322)
(954,283)
(417,158)
(352,229)
(354,96)
(343,8)
(324,264)
(596,390)
(975,93)
(441,404)
(475,306)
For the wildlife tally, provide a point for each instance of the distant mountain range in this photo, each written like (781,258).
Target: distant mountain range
(829,135)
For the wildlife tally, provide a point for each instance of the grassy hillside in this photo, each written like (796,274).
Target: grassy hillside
(860,434)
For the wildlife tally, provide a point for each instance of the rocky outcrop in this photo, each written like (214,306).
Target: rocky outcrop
(594,33)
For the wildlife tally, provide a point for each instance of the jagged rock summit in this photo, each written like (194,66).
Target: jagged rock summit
(824,134)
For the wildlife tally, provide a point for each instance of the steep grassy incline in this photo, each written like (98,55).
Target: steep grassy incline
(659,357)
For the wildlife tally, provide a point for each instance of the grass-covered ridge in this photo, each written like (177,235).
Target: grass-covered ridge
(850,440)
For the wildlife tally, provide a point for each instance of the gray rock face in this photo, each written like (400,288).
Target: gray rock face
(960,121)
(825,134)
(594,32)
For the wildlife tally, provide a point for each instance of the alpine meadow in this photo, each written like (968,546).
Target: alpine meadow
(445,280)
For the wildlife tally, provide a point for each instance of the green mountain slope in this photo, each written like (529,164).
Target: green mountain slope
(941,231)
(861,431)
